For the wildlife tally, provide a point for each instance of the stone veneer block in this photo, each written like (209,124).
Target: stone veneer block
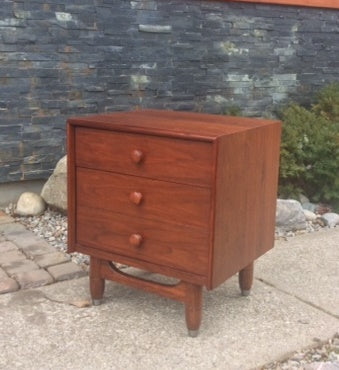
(213,73)
(51,259)
(66,271)
(33,279)
(8,285)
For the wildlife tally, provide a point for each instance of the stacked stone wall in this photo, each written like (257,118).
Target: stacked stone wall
(63,58)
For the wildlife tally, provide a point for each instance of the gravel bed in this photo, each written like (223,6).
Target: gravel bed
(324,356)
(52,226)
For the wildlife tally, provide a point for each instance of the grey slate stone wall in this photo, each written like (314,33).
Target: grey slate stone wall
(62,58)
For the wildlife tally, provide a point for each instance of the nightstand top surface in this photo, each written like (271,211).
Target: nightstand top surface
(201,126)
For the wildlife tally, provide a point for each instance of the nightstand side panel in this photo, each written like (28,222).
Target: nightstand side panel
(71,189)
(245,199)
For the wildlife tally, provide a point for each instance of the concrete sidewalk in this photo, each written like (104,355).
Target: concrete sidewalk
(294,303)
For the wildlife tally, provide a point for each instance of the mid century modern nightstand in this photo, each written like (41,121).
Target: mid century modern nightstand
(187,195)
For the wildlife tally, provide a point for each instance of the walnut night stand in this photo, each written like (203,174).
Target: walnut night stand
(187,195)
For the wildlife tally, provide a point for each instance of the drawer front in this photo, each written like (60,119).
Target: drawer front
(143,198)
(176,160)
(176,246)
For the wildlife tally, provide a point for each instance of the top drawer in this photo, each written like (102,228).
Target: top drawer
(176,160)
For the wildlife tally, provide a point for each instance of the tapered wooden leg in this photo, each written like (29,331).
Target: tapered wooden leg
(97,283)
(193,308)
(246,279)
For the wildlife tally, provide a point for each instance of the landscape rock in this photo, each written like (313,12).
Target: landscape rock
(310,216)
(54,191)
(303,199)
(30,204)
(290,215)
(309,206)
(330,219)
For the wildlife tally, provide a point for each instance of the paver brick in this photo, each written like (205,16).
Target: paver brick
(39,248)
(66,271)
(2,274)
(17,267)
(5,219)
(12,228)
(6,246)
(8,285)
(11,256)
(24,238)
(33,279)
(51,259)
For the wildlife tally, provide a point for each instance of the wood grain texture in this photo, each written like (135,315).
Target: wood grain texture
(246,278)
(312,3)
(190,196)
(175,291)
(160,200)
(245,199)
(144,265)
(193,306)
(178,246)
(71,189)
(184,125)
(173,160)
(97,282)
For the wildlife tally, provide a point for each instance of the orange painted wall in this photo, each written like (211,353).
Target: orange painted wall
(334,4)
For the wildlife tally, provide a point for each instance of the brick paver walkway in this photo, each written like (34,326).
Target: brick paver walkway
(27,261)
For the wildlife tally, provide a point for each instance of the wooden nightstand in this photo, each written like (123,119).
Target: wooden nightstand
(191,196)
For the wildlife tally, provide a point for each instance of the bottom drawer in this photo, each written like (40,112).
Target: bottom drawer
(177,246)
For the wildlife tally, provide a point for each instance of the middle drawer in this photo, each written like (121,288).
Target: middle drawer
(145,198)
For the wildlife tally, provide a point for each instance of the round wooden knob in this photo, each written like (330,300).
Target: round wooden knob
(137,156)
(135,240)
(135,197)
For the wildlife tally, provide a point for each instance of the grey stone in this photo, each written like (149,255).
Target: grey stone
(303,199)
(310,216)
(51,259)
(309,206)
(290,215)
(33,279)
(40,247)
(331,219)
(30,204)
(8,285)
(19,266)
(3,274)
(322,366)
(6,246)
(11,256)
(195,45)
(5,219)
(54,191)
(66,271)
(25,239)
(12,228)
(154,28)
